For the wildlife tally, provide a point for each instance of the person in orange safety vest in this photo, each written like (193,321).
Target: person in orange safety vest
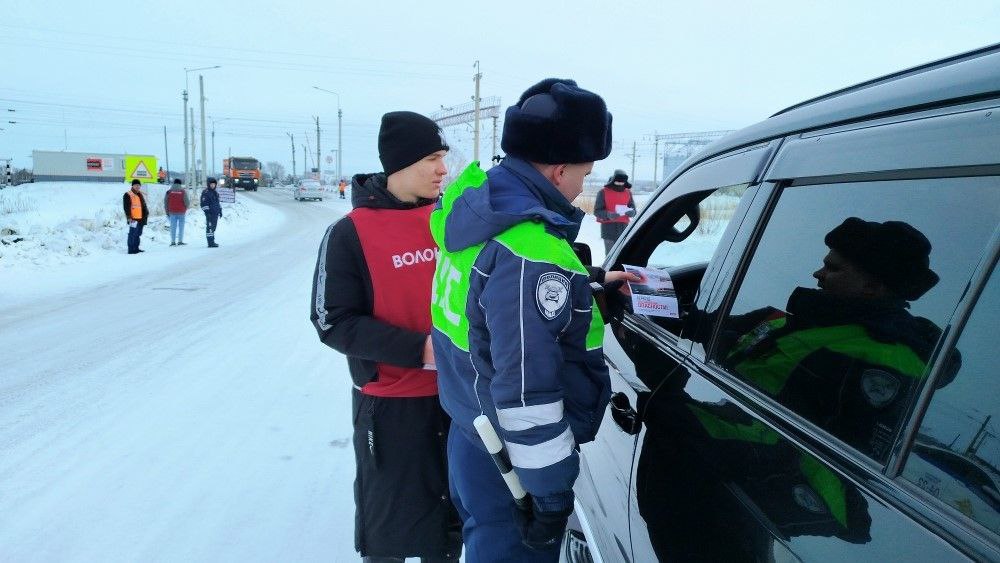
(136,214)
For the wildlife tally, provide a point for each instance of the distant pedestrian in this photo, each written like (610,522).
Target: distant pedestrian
(213,211)
(175,204)
(342,187)
(136,214)
(614,208)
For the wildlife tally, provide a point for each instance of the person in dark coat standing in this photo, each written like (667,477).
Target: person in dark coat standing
(136,214)
(371,302)
(213,211)
(614,208)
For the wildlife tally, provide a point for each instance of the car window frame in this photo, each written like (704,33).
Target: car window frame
(939,510)
(884,480)
(744,165)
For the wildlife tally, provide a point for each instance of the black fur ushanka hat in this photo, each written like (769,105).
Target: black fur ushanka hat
(557,122)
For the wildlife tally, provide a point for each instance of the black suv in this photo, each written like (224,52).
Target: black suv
(827,392)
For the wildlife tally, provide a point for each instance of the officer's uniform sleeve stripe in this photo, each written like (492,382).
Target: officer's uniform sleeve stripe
(524,418)
(520,316)
(541,455)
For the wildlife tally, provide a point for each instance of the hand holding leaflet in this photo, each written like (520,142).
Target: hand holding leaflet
(654,295)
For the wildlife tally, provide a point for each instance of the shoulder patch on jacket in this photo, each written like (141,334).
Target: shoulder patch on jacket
(552,294)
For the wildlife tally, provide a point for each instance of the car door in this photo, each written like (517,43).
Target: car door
(742,459)
(679,232)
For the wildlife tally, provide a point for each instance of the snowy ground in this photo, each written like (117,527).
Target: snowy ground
(174,405)
(56,236)
(177,407)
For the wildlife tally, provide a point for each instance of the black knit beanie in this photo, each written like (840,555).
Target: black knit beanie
(136,183)
(177,180)
(619,176)
(405,137)
(557,122)
(894,252)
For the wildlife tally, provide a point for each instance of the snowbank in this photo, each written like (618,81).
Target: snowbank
(56,234)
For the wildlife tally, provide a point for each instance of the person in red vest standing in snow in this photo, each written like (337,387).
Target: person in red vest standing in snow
(614,208)
(371,302)
(175,204)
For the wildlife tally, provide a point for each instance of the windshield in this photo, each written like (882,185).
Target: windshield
(245,163)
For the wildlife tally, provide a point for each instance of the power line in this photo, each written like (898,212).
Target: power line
(149,54)
(227,48)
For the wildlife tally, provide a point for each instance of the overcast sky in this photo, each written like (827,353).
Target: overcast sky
(107,76)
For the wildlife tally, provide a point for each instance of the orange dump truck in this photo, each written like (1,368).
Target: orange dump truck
(241,172)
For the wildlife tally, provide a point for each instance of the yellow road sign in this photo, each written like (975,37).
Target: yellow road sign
(140,167)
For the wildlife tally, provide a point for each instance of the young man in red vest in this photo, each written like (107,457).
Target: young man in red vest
(614,208)
(371,302)
(175,204)
(136,214)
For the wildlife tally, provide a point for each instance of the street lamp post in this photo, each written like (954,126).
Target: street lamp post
(187,164)
(340,119)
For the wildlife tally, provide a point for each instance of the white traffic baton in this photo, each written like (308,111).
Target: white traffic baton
(495,447)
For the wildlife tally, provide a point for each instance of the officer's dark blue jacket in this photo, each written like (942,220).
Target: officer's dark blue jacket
(533,362)
(210,202)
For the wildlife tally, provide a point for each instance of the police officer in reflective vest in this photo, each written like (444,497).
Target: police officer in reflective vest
(848,355)
(136,214)
(516,334)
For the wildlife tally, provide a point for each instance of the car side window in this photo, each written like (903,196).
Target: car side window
(845,295)
(681,240)
(956,454)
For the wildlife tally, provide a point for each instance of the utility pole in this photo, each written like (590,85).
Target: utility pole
(633,157)
(973,447)
(319,166)
(204,159)
(656,156)
(213,147)
(494,153)
(305,151)
(292,137)
(475,149)
(166,153)
(340,149)
(187,165)
(194,172)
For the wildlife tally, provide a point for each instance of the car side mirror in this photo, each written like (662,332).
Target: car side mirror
(583,253)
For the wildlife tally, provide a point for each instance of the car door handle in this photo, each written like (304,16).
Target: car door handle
(623,414)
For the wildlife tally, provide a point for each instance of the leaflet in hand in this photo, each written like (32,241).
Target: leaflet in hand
(654,295)
(621,209)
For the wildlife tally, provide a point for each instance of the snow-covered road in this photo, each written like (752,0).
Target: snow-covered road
(184,414)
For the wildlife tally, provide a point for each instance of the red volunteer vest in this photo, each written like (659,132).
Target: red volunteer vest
(175,202)
(612,199)
(401,255)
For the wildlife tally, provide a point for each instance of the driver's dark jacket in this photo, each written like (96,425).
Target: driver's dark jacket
(849,366)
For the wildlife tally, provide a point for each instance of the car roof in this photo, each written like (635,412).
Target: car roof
(966,77)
